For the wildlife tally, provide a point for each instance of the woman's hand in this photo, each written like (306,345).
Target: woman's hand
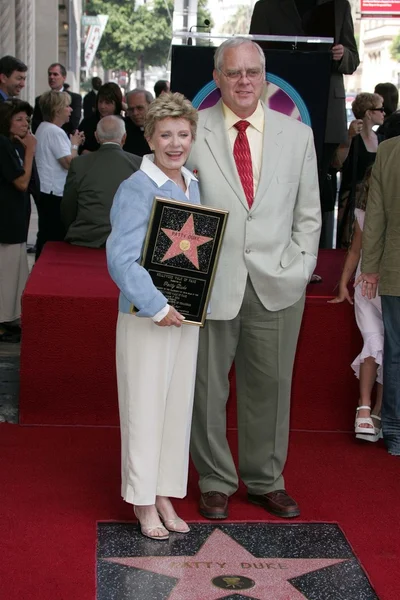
(77,138)
(28,142)
(355,127)
(172,318)
(342,295)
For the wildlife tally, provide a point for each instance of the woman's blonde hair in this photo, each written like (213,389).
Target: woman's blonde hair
(52,102)
(363,102)
(170,105)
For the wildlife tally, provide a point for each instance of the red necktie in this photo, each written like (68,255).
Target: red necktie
(242,156)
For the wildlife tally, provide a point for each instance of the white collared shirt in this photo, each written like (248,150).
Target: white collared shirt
(159,178)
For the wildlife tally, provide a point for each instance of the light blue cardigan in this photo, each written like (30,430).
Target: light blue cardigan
(130,214)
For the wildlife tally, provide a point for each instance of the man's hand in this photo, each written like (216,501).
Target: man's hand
(173,317)
(337,52)
(369,284)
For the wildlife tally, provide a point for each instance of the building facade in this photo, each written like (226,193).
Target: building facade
(377,37)
(40,32)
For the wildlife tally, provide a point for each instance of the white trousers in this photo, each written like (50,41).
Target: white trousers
(156,369)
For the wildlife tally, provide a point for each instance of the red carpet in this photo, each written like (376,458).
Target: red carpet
(57,482)
(67,354)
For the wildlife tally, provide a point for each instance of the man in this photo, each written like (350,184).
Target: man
(89,101)
(161,87)
(290,17)
(265,175)
(56,77)
(138,102)
(381,264)
(92,182)
(12,77)
(390,95)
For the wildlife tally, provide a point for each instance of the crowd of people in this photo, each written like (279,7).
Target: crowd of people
(72,203)
(95,186)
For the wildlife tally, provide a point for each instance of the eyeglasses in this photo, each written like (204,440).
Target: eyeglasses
(381,109)
(236,74)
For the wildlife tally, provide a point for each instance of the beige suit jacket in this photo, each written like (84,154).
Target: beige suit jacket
(276,241)
(381,234)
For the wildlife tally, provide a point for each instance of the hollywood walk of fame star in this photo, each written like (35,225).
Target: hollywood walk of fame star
(185,241)
(222,557)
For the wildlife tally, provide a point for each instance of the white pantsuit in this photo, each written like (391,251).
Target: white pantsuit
(155,375)
(155,365)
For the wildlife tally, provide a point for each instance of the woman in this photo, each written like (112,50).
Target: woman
(54,154)
(108,102)
(368,364)
(15,178)
(354,157)
(156,357)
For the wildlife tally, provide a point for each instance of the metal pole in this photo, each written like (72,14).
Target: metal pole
(83,73)
(186,15)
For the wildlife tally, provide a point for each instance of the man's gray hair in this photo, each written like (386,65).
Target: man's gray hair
(110,129)
(234,43)
(148,95)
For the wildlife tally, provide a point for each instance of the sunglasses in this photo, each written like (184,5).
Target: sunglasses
(381,109)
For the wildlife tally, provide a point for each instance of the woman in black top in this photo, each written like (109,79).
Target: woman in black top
(17,149)
(354,157)
(108,102)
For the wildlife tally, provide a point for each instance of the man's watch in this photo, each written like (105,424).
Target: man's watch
(74,147)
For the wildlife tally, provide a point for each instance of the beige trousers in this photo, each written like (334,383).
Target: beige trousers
(14,273)
(263,345)
(156,369)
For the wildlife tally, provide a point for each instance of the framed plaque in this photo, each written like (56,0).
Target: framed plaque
(181,253)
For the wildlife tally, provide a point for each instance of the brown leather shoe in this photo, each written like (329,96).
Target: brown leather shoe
(214,505)
(278,503)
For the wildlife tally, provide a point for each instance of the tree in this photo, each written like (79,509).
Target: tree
(134,36)
(395,48)
(203,14)
(239,22)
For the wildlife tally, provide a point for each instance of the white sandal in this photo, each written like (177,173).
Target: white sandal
(370,430)
(175,525)
(377,435)
(150,531)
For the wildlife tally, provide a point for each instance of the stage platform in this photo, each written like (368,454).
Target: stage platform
(69,312)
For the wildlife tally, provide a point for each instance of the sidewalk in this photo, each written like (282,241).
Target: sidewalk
(9,353)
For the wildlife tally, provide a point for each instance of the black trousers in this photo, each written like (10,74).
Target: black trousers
(50,227)
(327,186)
